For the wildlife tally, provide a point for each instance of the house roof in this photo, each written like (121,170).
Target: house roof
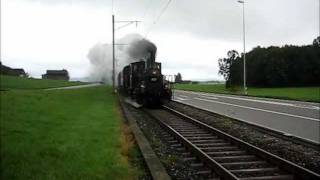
(19,70)
(57,72)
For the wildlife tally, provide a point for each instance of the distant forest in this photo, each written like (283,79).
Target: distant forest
(274,66)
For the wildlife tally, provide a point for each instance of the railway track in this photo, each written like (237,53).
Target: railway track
(218,155)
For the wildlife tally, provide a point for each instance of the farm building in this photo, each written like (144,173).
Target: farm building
(12,71)
(56,74)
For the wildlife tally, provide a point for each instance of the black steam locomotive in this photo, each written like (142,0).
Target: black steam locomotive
(144,83)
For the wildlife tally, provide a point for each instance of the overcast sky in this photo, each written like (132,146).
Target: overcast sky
(191,35)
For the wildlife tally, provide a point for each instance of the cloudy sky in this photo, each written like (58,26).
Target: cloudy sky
(191,35)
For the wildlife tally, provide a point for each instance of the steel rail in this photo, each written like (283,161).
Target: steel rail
(201,154)
(296,170)
(263,129)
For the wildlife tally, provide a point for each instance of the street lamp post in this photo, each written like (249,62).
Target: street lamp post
(113,57)
(244,49)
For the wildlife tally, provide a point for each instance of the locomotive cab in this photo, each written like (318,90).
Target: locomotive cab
(136,78)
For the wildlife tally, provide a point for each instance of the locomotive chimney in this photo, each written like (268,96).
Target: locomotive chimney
(143,49)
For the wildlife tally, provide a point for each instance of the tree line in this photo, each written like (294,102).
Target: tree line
(274,66)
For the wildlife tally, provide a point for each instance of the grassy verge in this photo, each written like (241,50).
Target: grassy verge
(14,82)
(293,93)
(63,134)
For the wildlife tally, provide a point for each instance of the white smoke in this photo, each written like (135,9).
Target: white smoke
(100,56)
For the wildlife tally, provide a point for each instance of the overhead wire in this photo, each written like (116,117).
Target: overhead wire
(147,9)
(158,17)
(163,10)
(112,6)
(145,12)
(124,25)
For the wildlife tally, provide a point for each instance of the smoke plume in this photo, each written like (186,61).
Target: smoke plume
(141,48)
(131,48)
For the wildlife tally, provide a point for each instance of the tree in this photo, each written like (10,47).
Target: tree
(178,78)
(316,42)
(275,66)
(225,64)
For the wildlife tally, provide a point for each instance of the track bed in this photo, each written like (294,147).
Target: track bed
(218,155)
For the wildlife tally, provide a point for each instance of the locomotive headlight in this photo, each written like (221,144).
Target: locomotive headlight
(142,86)
(166,86)
(154,72)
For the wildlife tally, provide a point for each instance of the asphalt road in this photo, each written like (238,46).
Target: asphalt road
(300,119)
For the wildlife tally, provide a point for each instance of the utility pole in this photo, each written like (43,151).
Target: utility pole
(113,46)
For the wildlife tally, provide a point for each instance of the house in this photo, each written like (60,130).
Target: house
(5,70)
(56,74)
(186,82)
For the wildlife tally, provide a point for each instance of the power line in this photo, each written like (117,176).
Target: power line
(128,23)
(113,44)
(147,9)
(157,19)
(163,10)
(112,6)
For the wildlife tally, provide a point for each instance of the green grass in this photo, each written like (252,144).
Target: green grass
(15,82)
(62,134)
(293,93)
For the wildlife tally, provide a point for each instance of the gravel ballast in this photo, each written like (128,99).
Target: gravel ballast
(172,160)
(306,157)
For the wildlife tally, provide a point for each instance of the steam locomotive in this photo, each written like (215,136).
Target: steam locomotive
(144,83)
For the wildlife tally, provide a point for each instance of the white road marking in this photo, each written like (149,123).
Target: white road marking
(179,98)
(258,109)
(209,97)
(268,102)
(183,96)
(261,101)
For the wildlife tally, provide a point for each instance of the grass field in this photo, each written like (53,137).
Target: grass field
(293,93)
(14,82)
(63,134)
